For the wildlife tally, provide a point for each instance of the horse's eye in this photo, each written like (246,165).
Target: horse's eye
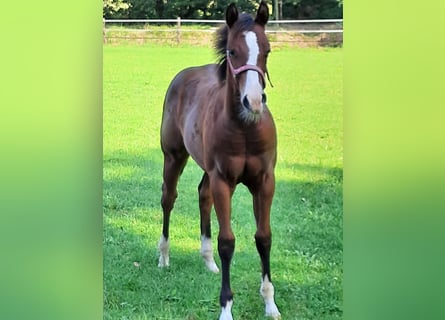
(231,53)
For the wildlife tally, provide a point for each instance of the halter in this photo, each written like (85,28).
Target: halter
(247,67)
(244,68)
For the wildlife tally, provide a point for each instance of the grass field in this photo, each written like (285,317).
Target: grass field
(306,258)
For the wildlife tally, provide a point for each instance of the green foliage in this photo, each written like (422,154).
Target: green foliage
(312,9)
(209,9)
(145,9)
(114,8)
(306,257)
(195,9)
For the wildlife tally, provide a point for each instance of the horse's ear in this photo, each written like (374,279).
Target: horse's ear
(262,15)
(231,14)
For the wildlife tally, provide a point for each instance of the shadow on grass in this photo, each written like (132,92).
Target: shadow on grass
(135,287)
(306,255)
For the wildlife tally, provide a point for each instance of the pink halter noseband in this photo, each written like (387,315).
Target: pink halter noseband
(247,67)
(244,68)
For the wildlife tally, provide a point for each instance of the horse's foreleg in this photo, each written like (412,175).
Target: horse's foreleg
(262,201)
(205,207)
(173,166)
(222,193)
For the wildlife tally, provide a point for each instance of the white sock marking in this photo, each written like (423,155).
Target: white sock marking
(226,312)
(267,292)
(207,254)
(163,246)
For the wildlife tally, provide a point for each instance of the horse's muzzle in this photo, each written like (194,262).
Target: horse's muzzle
(255,105)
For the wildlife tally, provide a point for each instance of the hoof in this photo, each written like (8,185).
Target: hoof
(274,315)
(226,312)
(163,262)
(211,265)
(272,311)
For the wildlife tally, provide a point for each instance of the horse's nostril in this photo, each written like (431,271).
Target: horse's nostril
(246,103)
(263,98)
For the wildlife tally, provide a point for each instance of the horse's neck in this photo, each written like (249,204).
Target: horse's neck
(231,100)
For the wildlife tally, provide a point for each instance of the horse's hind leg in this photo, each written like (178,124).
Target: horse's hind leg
(205,207)
(174,163)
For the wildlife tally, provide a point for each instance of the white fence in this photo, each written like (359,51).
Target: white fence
(293,32)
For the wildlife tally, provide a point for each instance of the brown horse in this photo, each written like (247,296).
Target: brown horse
(217,113)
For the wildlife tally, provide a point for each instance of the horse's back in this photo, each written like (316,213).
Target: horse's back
(188,84)
(187,95)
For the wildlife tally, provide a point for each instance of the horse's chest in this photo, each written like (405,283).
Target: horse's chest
(237,153)
(230,167)
(235,162)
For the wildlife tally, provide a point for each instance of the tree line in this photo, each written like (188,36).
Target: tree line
(215,9)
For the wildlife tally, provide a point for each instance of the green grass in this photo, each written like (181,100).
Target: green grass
(306,257)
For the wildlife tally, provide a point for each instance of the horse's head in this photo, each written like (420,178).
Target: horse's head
(247,49)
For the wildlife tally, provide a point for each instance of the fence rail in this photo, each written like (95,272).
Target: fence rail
(317,32)
(217,21)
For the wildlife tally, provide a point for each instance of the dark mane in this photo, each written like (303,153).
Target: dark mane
(244,23)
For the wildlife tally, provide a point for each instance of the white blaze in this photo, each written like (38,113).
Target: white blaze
(252,44)
(253,88)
